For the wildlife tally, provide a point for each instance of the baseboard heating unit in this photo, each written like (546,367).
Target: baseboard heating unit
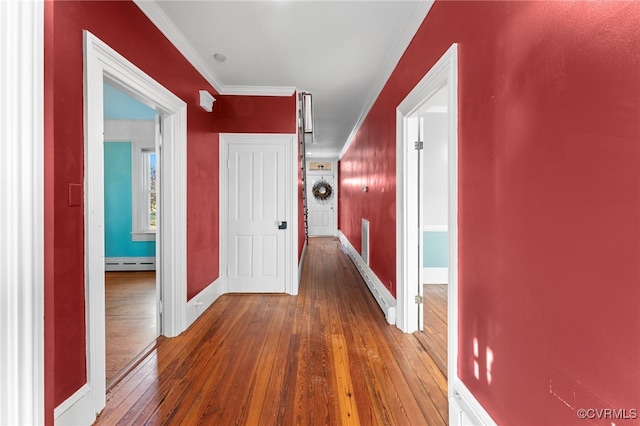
(130,264)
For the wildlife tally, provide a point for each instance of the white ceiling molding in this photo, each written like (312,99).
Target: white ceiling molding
(258,90)
(160,19)
(420,13)
(166,27)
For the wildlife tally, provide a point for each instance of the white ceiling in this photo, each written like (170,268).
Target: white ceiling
(340,51)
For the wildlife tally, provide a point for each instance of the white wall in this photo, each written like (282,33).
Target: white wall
(435,169)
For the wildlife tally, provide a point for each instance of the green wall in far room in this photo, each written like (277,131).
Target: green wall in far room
(435,252)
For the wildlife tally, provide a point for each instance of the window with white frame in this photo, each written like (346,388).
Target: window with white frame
(144,203)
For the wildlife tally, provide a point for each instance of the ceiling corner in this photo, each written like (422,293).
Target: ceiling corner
(421,11)
(157,16)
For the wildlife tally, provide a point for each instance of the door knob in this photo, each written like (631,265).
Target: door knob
(282,225)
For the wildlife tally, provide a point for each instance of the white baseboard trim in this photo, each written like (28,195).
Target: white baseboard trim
(301,262)
(204,299)
(435,275)
(386,301)
(129,263)
(76,410)
(464,408)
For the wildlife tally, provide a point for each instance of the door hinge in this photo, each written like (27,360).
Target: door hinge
(227,270)
(161,307)
(418,145)
(419,299)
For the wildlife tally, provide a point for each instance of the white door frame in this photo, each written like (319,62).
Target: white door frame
(291,252)
(103,62)
(444,72)
(22,213)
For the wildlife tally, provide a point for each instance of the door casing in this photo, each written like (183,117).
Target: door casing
(408,233)
(102,62)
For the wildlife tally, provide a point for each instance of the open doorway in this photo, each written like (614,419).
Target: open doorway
(131,183)
(431,122)
(427,211)
(104,64)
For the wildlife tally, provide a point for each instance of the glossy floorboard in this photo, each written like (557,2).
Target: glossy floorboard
(434,336)
(130,318)
(324,357)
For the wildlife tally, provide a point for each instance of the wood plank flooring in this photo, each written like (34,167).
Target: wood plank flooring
(434,337)
(324,357)
(130,319)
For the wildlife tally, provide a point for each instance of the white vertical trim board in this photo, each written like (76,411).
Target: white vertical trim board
(103,63)
(22,213)
(301,261)
(384,298)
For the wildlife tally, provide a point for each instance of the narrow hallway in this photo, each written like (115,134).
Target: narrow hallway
(324,357)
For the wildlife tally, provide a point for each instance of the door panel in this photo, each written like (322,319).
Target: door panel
(257,203)
(321,212)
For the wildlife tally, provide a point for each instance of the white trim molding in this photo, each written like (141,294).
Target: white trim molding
(301,261)
(464,408)
(175,36)
(160,19)
(77,409)
(257,90)
(22,213)
(384,298)
(201,302)
(104,64)
(419,14)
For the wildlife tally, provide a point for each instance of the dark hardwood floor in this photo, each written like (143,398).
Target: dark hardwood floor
(130,320)
(324,357)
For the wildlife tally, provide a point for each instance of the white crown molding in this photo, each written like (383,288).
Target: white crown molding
(258,90)
(160,19)
(420,12)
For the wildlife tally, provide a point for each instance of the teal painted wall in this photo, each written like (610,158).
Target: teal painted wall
(435,249)
(117,204)
(119,106)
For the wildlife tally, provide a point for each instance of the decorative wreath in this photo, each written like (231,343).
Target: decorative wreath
(322,190)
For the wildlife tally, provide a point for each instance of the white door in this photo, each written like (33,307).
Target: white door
(320,213)
(257,217)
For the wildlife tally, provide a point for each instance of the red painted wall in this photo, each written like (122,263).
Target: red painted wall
(125,28)
(257,114)
(549,199)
